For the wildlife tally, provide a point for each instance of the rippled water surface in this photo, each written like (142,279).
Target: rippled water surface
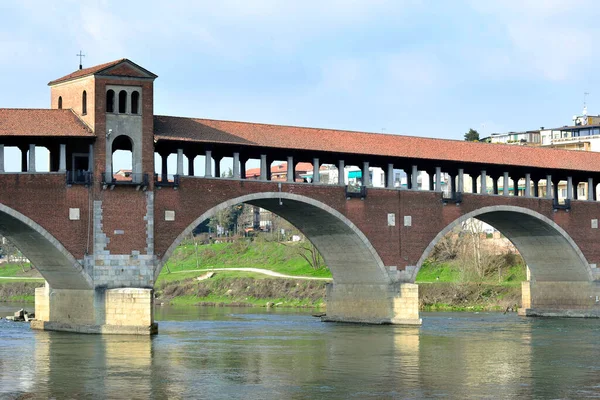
(239,353)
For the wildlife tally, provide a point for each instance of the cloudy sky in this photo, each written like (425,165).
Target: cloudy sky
(426,68)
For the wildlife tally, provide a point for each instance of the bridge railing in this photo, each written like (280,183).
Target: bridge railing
(170,181)
(79,177)
(131,179)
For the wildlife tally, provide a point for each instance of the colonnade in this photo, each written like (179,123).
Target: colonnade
(28,158)
(456,181)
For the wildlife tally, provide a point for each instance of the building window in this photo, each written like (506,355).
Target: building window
(84,103)
(122,102)
(110,101)
(135,102)
(60,102)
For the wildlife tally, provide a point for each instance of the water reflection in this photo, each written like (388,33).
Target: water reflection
(252,354)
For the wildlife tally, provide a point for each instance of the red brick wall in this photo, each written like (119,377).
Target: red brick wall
(46,200)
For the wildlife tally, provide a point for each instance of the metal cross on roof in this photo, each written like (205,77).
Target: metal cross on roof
(80,55)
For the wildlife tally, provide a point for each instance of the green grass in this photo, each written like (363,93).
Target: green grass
(242,254)
(450,272)
(11,270)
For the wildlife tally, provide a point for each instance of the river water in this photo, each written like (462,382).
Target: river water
(252,353)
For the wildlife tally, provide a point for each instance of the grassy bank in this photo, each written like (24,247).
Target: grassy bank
(16,291)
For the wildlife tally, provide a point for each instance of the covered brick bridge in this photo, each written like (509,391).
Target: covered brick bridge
(101,241)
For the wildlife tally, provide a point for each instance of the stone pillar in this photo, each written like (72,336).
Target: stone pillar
(505,184)
(91,158)
(243,168)
(23,158)
(430,180)
(290,169)
(549,186)
(570,188)
(164,171)
(316,168)
(515,186)
(555,191)
(191,158)
(438,179)
(218,166)
(180,162)
(536,187)
(341,173)
(460,187)
(452,184)
(31,158)
(236,165)
(62,164)
(591,189)
(414,176)
(396,303)
(527,185)
(105,311)
(263,167)
(366,177)
(208,164)
(494,184)
(560,299)
(483,182)
(1,158)
(390,176)
(473,183)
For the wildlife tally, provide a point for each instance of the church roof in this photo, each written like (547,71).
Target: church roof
(41,122)
(352,142)
(103,68)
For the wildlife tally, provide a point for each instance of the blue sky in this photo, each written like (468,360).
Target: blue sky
(425,68)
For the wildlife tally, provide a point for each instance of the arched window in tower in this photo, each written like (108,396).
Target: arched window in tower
(135,102)
(122,159)
(84,103)
(122,102)
(110,101)
(60,102)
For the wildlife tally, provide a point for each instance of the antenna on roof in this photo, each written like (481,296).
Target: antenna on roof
(80,55)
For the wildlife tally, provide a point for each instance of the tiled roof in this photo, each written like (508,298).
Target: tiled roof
(397,146)
(41,122)
(86,71)
(280,168)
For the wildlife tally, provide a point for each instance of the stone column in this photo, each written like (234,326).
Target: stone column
(91,158)
(163,171)
(62,164)
(527,185)
(494,184)
(1,158)
(23,158)
(438,179)
(236,165)
(473,183)
(208,164)
(460,187)
(31,158)
(191,158)
(515,186)
(263,167)
(548,186)
(243,162)
(590,189)
(180,162)
(218,166)
(452,184)
(316,176)
(366,177)
(570,188)
(390,176)
(505,184)
(290,169)
(536,187)
(341,173)
(483,182)
(431,179)
(414,176)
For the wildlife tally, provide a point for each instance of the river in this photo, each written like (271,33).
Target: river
(252,353)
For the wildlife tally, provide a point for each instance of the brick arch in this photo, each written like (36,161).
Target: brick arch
(346,250)
(52,260)
(550,253)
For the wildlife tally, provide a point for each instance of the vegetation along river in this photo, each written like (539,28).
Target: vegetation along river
(255,353)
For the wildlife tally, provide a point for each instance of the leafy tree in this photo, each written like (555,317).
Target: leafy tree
(472,136)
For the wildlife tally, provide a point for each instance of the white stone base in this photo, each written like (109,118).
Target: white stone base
(560,299)
(396,303)
(116,311)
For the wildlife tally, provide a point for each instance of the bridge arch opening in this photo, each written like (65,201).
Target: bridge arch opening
(58,267)
(549,251)
(345,249)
